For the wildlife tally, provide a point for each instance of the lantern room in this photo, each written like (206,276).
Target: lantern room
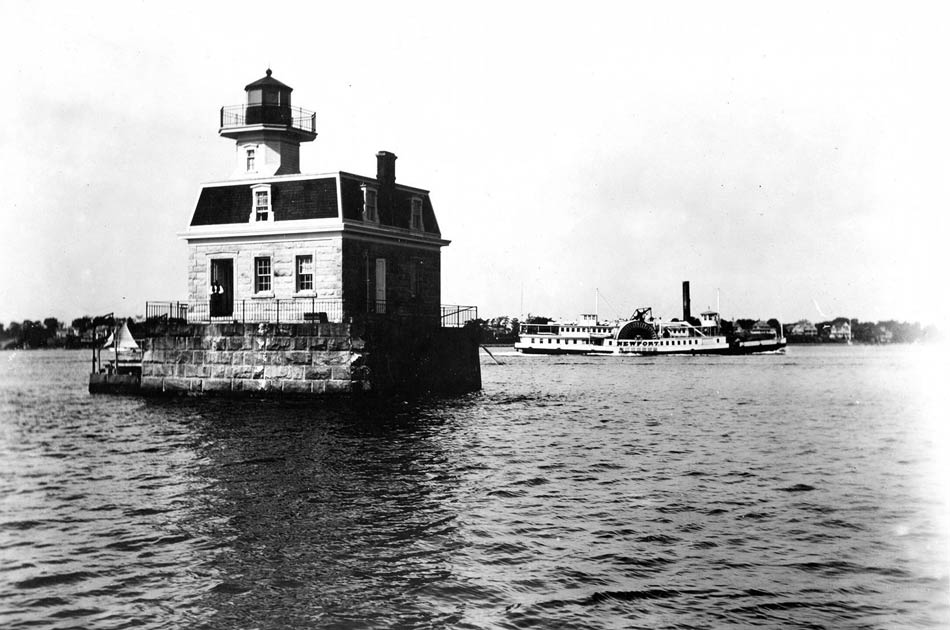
(267,130)
(268,102)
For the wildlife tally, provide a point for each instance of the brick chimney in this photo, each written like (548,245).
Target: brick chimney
(386,169)
(386,180)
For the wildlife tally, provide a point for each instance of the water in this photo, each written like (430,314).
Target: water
(797,491)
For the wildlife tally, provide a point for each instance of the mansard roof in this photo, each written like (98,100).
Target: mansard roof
(396,213)
(312,197)
(290,200)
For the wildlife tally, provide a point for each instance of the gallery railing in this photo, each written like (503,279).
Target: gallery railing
(243,115)
(298,311)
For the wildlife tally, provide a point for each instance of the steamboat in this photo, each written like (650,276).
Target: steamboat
(644,334)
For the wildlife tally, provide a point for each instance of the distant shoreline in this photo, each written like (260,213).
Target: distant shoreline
(790,343)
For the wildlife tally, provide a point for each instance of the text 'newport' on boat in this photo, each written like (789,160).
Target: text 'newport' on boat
(644,334)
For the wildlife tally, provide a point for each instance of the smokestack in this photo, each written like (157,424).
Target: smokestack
(686,301)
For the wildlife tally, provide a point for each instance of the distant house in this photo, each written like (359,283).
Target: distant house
(803,328)
(272,238)
(883,335)
(65,333)
(840,332)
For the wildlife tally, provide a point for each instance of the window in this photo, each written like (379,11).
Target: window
(261,205)
(262,274)
(304,273)
(415,277)
(416,220)
(380,285)
(369,205)
(367,281)
(250,160)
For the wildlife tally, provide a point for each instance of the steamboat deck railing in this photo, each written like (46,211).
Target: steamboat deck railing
(299,311)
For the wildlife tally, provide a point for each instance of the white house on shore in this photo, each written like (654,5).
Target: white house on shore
(840,331)
(803,328)
(338,243)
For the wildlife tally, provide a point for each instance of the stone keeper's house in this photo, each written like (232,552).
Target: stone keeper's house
(273,244)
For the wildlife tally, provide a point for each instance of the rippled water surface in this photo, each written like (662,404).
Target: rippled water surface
(796,491)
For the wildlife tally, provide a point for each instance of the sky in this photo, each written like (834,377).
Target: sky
(789,160)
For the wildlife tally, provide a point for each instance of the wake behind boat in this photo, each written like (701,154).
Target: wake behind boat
(644,334)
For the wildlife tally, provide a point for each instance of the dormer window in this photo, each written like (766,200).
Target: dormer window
(261,205)
(250,160)
(415,222)
(261,210)
(370,213)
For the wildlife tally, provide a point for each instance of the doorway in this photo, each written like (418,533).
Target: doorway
(222,287)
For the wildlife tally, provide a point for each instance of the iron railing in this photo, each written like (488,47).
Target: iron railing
(297,311)
(454,316)
(243,115)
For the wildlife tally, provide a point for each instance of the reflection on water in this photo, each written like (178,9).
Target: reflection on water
(322,506)
(783,491)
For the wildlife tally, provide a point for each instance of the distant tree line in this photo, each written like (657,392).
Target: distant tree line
(885,331)
(902,332)
(833,330)
(83,331)
(505,329)
(51,333)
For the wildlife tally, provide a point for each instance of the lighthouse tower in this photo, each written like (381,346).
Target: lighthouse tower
(267,130)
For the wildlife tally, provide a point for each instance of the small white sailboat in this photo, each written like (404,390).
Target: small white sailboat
(116,364)
(126,354)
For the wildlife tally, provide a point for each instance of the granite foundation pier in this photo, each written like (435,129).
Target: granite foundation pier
(301,360)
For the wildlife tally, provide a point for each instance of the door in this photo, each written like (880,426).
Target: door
(380,285)
(222,287)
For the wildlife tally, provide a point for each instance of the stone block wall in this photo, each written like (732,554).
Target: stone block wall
(293,359)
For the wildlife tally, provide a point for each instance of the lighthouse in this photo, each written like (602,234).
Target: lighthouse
(267,130)
(272,242)
(308,283)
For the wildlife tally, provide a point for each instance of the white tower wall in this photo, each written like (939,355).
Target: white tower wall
(274,154)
